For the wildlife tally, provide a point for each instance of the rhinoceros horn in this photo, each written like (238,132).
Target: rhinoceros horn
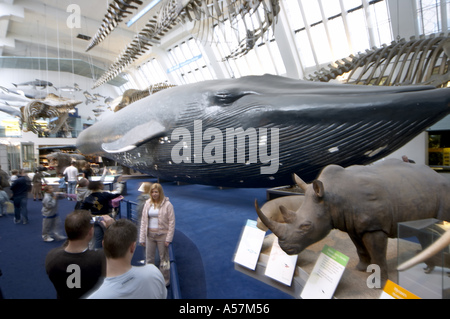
(279,229)
(429,252)
(300,182)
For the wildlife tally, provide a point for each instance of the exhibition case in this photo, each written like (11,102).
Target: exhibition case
(429,279)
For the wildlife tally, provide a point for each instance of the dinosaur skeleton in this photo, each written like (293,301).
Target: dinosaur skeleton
(52,107)
(418,61)
(132,95)
(207,14)
(117,10)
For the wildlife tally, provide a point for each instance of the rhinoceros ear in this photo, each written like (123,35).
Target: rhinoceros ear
(318,188)
(288,215)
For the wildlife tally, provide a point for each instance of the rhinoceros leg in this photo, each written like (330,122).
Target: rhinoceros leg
(363,254)
(376,244)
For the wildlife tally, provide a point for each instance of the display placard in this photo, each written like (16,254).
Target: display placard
(280,266)
(250,244)
(326,274)
(393,291)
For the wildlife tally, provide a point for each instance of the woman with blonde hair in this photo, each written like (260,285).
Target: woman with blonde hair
(157,228)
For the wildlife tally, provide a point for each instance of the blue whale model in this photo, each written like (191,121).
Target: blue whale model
(256,131)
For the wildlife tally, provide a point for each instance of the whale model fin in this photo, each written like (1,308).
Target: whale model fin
(135,137)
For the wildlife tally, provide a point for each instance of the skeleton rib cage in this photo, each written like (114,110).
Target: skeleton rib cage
(418,61)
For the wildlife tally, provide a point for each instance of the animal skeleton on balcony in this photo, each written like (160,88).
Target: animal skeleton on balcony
(207,14)
(418,61)
(132,95)
(52,107)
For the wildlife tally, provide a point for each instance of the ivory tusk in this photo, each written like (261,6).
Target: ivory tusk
(429,252)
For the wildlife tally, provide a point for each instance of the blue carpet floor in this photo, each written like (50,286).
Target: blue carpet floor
(209,222)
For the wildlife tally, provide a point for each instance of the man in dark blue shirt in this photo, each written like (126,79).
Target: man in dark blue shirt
(20,188)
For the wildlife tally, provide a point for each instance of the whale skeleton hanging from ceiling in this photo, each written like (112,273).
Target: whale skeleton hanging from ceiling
(422,60)
(117,11)
(206,14)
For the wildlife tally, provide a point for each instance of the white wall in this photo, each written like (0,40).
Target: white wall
(416,149)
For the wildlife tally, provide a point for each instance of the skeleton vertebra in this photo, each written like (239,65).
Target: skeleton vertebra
(418,61)
(207,13)
(51,107)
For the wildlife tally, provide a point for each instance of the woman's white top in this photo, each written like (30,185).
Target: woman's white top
(153,217)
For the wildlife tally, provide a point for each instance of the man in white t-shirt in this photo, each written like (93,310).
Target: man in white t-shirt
(124,281)
(72,178)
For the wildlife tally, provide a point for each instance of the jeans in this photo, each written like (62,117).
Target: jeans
(50,225)
(20,208)
(71,186)
(98,235)
(154,241)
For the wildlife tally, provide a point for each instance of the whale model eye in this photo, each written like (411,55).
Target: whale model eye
(224,98)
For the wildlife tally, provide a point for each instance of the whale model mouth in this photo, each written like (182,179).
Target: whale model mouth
(313,125)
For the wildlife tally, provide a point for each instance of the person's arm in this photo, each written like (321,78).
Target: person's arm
(171,217)
(107,221)
(110,195)
(105,170)
(118,188)
(49,202)
(4,196)
(144,223)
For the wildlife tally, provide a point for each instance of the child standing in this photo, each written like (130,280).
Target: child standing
(3,200)
(62,183)
(50,214)
(82,192)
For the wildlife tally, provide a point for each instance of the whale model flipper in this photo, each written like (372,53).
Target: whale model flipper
(135,137)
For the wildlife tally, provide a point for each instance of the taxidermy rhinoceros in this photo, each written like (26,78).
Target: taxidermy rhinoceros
(367,202)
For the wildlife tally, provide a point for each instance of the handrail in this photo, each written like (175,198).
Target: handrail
(174,279)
